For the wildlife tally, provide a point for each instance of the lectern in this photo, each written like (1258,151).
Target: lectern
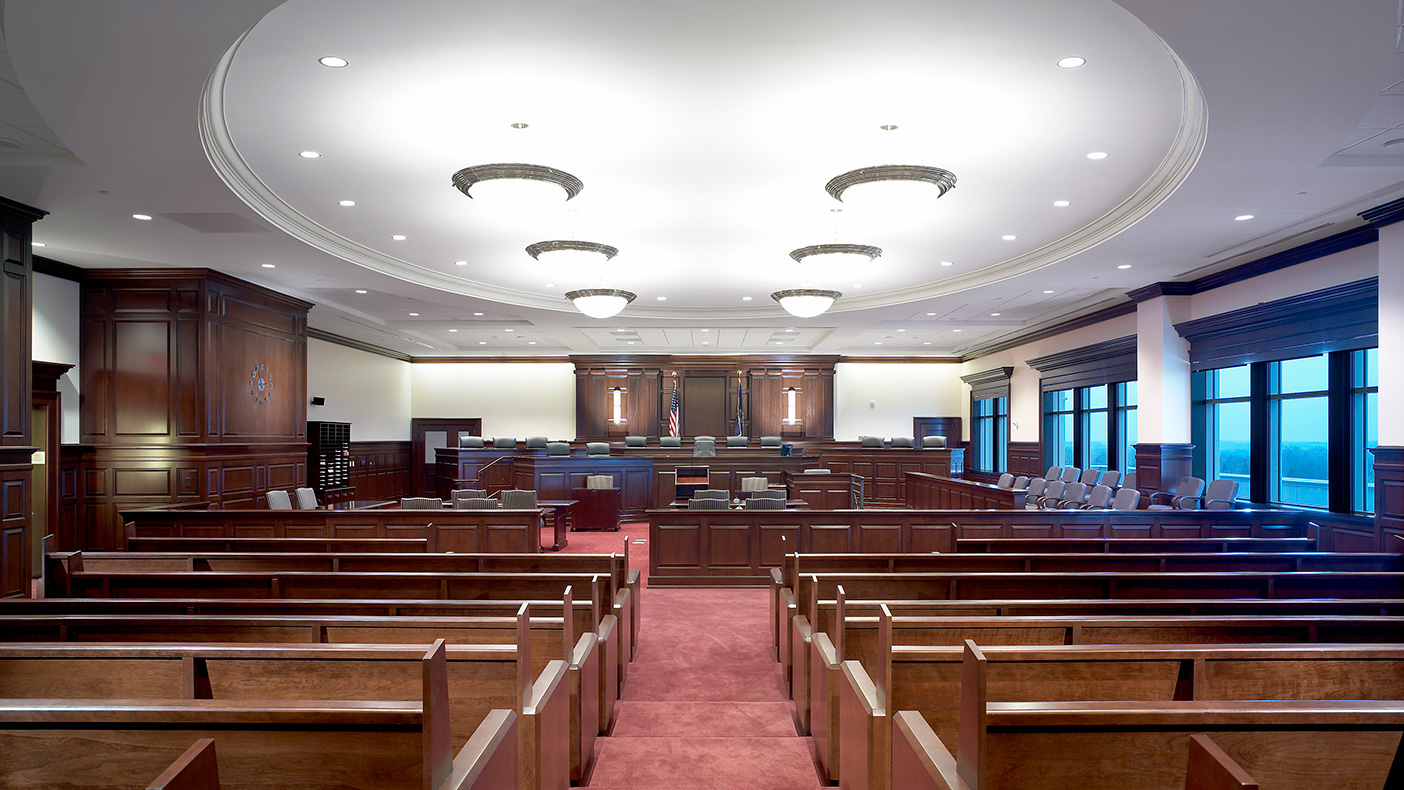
(690,480)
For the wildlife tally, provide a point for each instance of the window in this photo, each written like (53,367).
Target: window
(1058,428)
(1293,431)
(1125,412)
(1365,414)
(1094,426)
(991,435)
(1091,427)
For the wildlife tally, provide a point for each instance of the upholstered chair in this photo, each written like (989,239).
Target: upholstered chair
(597,449)
(305,498)
(902,442)
(517,499)
(470,442)
(557,449)
(771,441)
(278,500)
(765,503)
(737,441)
(635,441)
(933,442)
(671,442)
(504,443)
(708,504)
(477,503)
(536,442)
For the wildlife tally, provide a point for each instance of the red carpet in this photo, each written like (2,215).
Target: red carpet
(704,708)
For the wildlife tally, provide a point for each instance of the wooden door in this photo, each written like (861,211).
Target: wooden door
(428,434)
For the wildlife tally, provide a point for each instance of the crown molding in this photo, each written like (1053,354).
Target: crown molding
(328,337)
(1383,215)
(59,269)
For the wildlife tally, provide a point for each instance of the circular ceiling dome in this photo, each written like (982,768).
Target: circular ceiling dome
(703,136)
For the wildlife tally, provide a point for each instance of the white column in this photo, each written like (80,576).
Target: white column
(1391,248)
(1162,372)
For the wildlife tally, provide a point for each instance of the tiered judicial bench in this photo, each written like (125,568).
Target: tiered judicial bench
(647,477)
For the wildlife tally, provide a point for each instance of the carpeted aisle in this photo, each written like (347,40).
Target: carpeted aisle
(705,705)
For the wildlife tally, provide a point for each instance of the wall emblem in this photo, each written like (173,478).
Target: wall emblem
(261,383)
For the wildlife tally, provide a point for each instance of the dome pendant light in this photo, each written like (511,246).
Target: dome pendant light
(600,302)
(805,302)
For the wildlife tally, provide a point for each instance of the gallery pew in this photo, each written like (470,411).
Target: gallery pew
(1131,545)
(196,769)
(307,742)
(357,545)
(1288,744)
(928,680)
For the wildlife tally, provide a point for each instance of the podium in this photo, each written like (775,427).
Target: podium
(690,480)
(595,509)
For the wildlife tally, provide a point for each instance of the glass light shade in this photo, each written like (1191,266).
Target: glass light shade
(805,302)
(518,193)
(571,258)
(904,198)
(600,302)
(839,259)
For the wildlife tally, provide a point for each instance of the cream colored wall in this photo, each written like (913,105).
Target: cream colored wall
(54,327)
(513,399)
(369,391)
(880,399)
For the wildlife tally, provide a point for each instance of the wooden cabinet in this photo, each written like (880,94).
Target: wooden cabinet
(329,461)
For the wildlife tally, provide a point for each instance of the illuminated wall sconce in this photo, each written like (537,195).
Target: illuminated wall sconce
(791,397)
(618,393)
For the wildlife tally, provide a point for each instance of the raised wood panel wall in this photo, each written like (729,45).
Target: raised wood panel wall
(1025,458)
(761,380)
(194,389)
(380,470)
(16,393)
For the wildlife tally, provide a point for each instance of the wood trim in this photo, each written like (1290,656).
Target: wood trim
(21,210)
(1387,214)
(1310,251)
(723,362)
(59,269)
(992,383)
(1088,366)
(1156,290)
(919,360)
(320,334)
(505,358)
(1053,330)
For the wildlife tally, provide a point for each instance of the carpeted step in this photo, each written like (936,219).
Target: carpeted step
(705,720)
(697,763)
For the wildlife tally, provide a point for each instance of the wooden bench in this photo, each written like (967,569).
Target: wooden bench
(196,769)
(1289,744)
(308,742)
(1132,545)
(928,680)
(344,545)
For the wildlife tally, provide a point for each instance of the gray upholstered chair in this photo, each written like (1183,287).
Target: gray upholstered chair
(1021,482)
(754,484)
(470,442)
(1129,480)
(466,493)
(1052,492)
(814,471)
(421,503)
(671,442)
(1006,480)
(704,438)
(765,503)
(477,503)
(597,449)
(902,442)
(1099,499)
(536,442)
(704,448)
(1110,478)
(1053,473)
(738,441)
(870,442)
(517,499)
(599,481)
(769,493)
(504,443)
(635,441)
(1071,474)
(305,498)
(771,441)
(1184,497)
(1090,477)
(933,442)
(1221,495)
(557,449)
(1033,492)
(1127,498)
(708,504)
(278,500)
(1073,494)
(711,493)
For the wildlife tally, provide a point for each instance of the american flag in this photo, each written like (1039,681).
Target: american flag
(673,413)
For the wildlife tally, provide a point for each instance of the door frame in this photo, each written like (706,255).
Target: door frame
(422,473)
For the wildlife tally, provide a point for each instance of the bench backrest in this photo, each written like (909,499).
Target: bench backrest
(1133,545)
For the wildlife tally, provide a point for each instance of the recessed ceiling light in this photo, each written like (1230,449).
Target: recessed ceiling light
(1061,203)
(550,285)
(994,314)
(630,342)
(1048,292)
(333,62)
(142,217)
(927,343)
(346,203)
(460,263)
(398,237)
(477,314)
(1009,237)
(509,330)
(1071,62)
(359,291)
(856,285)
(931,314)
(269,266)
(309,154)
(745,298)
(704,330)
(877,342)
(531,342)
(778,343)
(901,330)
(482,342)
(947,263)
(621,329)
(662,298)
(37,244)
(1124,266)
(453,330)
(1097,155)
(705,343)
(1242,217)
(957,330)
(791,329)
(416,315)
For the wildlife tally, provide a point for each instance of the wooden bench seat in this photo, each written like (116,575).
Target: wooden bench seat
(1133,545)
(928,680)
(302,742)
(358,545)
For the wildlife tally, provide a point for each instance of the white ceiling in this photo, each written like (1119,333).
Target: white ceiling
(704,134)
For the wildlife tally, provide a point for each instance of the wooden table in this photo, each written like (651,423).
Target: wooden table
(561,511)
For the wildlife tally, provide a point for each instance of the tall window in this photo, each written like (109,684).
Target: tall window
(1298,416)
(991,434)
(1365,413)
(1058,434)
(1095,427)
(1227,424)
(1125,420)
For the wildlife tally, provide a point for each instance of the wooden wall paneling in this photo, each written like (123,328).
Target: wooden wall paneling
(1389,499)
(17,536)
(1025,458)
(767,405)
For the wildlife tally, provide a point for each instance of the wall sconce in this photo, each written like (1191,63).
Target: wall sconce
(618,393)
(791,397)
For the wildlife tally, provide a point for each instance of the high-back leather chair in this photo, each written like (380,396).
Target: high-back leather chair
(421,503)
(1021,482)
(1099,499)
(765,503)
(470,442)
(737,441)
(707,504)
(902,442)
(1110,478)
(1184,497)
(467,493)
(1127,498)
(597,449)
(704,448)
(1221,495)
(870,442)
(768,493)
(771,441)
(557,449)
(933,442)
(672,442)
(635,441)
(504,443)
(1072,496)
(711,493)
(536,442)
(1006,480)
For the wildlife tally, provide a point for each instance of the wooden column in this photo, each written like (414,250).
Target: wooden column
(16,395)
(1389,498)
(1160,466)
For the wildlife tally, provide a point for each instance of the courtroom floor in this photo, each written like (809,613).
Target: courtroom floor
(704,707)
